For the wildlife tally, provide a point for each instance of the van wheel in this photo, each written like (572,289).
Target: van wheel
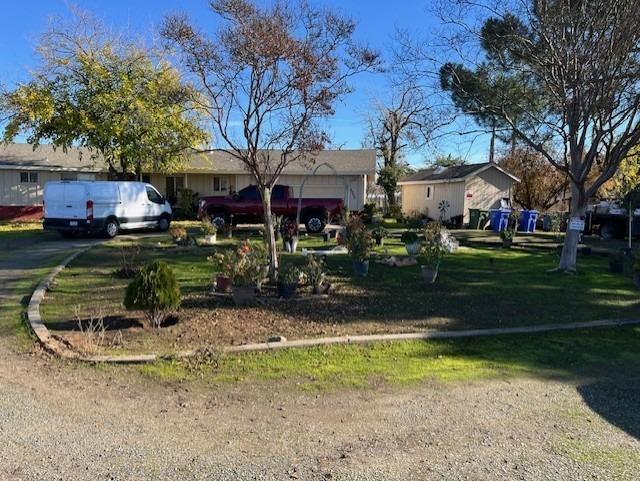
(163,224)
(111,228)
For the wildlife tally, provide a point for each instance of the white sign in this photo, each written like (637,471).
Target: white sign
(576,223)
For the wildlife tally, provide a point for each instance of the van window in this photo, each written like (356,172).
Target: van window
(153,196)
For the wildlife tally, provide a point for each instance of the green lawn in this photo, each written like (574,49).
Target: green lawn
(551,355)
(477,288)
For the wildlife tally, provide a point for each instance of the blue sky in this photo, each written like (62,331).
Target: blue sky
(23,20)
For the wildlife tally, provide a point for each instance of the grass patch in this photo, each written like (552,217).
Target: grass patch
(550,355)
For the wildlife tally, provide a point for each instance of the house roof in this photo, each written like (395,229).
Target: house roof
(455,173)
(46,157)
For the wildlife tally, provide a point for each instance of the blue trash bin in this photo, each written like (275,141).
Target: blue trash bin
(498,219)
(528,220)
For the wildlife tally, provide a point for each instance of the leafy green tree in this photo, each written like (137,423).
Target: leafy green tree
(447,161)
(124,103)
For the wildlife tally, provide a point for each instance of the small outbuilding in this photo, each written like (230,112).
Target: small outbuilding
(458,189)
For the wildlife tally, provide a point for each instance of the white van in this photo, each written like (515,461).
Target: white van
(103,207)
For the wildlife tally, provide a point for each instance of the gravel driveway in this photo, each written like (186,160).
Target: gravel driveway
(72,422)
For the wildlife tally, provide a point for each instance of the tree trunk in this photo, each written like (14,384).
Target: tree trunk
(569,255)
(269,234)
(391,198)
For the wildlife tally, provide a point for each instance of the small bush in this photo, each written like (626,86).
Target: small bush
(128,262)
(186,204)
(395,212)
(409,237)
(155,291)
(358,239)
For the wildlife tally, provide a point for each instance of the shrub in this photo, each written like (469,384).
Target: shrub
(395,212)
(177,233)
(438,243)
(207,227)
(314,271)
(128,261)
(155,291)
(379,232)
(245,266)
(359,242)
(186,203)
(409,237)
(289,274)
(415,221)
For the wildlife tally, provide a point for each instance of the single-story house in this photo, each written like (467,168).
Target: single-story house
(24,172)
(463,187)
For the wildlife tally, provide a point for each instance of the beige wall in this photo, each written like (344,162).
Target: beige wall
(414,199)
(14,192)
(485,190)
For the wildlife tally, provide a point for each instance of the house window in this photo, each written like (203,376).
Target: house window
(220,184)
(68,176)
(429,192)
(28,177)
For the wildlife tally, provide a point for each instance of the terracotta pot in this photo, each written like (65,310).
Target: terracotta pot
(429,274)
(223,283)
(361,268)
(413,249)
(243,295)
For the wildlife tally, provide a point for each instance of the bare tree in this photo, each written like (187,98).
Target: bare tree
(270,76)
(581,60)
(395,127)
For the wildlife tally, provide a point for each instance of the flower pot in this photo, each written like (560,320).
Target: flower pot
(379,241)
(294,245)
(210,239)
(429,274)
(223,283)
(361,268)
(243,295)
(317,289)
(616,265)
(507,243)
(636,279)
(413,249)
(286,290)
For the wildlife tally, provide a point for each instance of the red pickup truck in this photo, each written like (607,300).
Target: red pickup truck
(245,207)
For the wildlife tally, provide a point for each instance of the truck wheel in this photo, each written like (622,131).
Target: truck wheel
(219,219)
(111,228)
(314,223)
(608,231)
(164,223)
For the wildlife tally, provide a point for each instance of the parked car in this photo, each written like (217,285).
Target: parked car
(246,208)
(72,207)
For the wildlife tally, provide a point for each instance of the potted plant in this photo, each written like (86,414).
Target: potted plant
(178,234)
(507,236)
(616,262)
(379,233)
(288,280)
(290,236)
(209,231)
(359,244)
(314,272)
(438,243)
(245,267)
(411,242)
